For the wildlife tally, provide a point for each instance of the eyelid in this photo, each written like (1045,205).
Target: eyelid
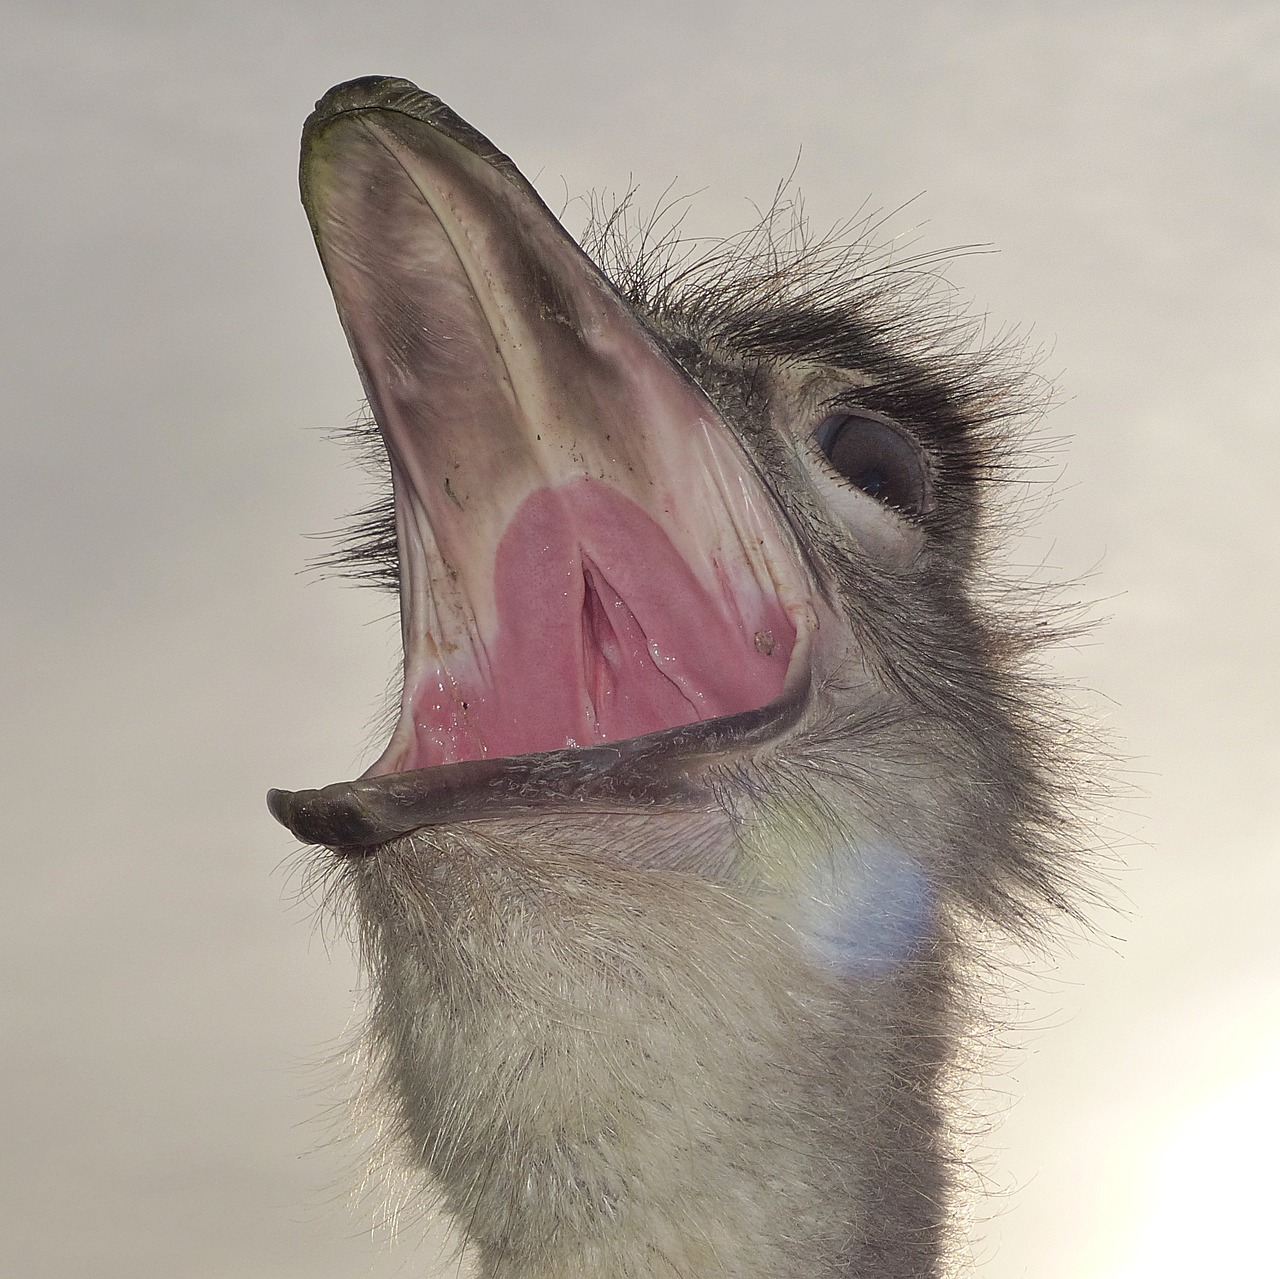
(840,411)
(828,428)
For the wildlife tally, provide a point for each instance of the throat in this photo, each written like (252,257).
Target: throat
(590,625)
(593,1097)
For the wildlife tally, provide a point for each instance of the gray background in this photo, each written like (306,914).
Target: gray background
(172,364)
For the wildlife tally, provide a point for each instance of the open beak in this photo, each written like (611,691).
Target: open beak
(594,579)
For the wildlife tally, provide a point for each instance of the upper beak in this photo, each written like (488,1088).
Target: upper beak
(587,553)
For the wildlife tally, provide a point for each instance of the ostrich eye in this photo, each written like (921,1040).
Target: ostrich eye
(876,458)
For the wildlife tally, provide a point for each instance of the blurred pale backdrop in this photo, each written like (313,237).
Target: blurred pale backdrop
(172,364)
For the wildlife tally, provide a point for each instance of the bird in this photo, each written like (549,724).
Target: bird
(718,763)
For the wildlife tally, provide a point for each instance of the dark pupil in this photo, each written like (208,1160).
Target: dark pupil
(875,458)
(872,481)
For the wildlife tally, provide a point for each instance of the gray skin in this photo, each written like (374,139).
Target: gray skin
(685,1004)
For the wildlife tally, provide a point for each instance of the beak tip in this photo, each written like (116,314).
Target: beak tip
(364,92)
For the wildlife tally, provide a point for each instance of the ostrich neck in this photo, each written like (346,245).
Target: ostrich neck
(613,1072)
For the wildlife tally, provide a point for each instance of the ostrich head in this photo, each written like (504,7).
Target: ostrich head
(710,761)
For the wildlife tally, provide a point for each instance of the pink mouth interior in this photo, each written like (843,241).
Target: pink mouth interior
(604,633)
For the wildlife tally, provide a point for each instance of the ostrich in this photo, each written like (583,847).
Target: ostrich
(712,763)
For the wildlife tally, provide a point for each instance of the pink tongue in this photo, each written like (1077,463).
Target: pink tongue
(604,633)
